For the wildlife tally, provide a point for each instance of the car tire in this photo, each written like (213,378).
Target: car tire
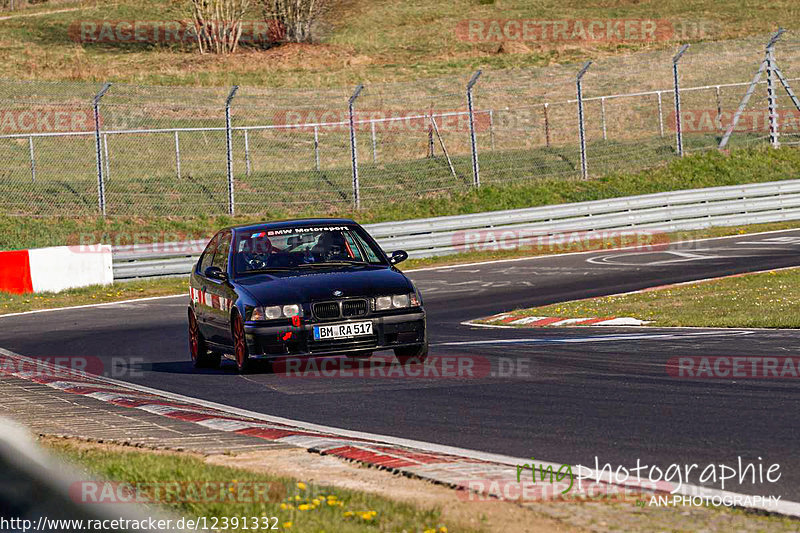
(411,354)
(240,352)
(359,355)
(198,348)
(214,359)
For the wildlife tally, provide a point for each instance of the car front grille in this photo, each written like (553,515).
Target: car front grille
(354,308)
(326,310)
(342,308)
(332,345)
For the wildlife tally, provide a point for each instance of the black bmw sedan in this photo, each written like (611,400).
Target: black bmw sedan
(301,288)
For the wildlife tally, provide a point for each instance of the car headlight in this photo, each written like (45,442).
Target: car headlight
(382,303)
(292,310)
(398,301)
(276,311)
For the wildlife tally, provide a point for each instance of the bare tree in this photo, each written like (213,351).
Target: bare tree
(218,24)
(297,19)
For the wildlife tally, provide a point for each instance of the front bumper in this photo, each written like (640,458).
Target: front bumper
(388,331)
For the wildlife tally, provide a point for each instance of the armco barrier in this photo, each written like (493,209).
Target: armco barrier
(55,269)
(661,212)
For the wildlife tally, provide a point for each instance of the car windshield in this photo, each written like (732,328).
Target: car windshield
(285,248)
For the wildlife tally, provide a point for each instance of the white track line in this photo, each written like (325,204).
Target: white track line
(597,338)
(784,507)
(88,306)
(472,324)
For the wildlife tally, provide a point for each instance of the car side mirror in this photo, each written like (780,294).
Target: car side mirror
(214,272)
(398,256)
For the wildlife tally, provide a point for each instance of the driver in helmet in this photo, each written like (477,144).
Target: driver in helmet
(254,253)
(331,246)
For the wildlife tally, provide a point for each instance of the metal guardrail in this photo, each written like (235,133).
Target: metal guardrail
(669,211)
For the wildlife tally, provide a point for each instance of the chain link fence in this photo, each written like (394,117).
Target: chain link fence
(116,149)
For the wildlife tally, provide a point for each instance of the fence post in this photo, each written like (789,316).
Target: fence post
(374,144)
(229,143)
(101,187)
(603,116)
(444,148)
(108,160)
(177,154)
(430,135)
(247,152)
(476,175)
(491,128)
(353,148)
(787,88)
(546,125)
(772,101)
(719,107)
(678,126)
(316,147)
(581,127)
(33,159)
(660,115)
(742,105)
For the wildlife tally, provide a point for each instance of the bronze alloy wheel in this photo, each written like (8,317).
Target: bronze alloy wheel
(196,341)
(202,357)
(240,344)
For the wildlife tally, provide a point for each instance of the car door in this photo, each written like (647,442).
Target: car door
(200,288)
(219,293)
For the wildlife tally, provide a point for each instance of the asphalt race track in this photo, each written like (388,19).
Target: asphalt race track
(559,395)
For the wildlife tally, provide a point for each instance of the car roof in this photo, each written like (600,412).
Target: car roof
(291,223)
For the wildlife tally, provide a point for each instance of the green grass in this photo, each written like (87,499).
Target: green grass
(701,170)
(375,41)
(17,303)
(351,510)
(764,300)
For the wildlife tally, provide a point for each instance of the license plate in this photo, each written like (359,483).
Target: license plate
(342,331)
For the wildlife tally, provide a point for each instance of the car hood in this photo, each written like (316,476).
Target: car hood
(305,285)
